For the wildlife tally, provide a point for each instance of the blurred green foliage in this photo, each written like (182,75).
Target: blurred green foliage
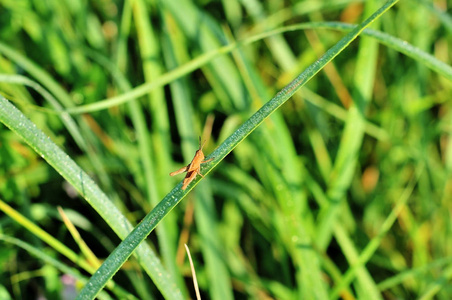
(349,182)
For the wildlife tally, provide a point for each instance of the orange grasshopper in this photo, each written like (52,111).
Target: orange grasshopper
(193,168)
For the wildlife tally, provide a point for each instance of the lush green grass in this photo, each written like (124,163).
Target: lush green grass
(342,192)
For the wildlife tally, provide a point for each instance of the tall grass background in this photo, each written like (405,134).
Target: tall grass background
(343,192)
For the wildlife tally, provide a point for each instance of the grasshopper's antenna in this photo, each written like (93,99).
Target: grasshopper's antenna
(201,145)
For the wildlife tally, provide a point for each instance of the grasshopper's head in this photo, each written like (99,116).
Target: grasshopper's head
(199,154)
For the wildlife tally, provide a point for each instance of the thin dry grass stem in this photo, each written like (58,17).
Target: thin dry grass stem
(195,281)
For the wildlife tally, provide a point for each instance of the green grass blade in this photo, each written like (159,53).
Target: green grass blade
(43,76)
(142,230)
(206,218)
(414,273)
(393,42)
(441,283)
(399,45)
(369,250)
(227,86)
(63,97)
(60,266)
(44,236)
(384,38)
(281,97)
(156,183)
(207,35)
(341,175)
(65,117)
(17,122)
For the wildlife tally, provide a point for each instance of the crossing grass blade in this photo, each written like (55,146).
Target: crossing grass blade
(334,194)
(17,122)
(140,232)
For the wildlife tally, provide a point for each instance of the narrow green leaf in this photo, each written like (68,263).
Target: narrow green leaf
(393,42)
(17,122)
(127,246)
